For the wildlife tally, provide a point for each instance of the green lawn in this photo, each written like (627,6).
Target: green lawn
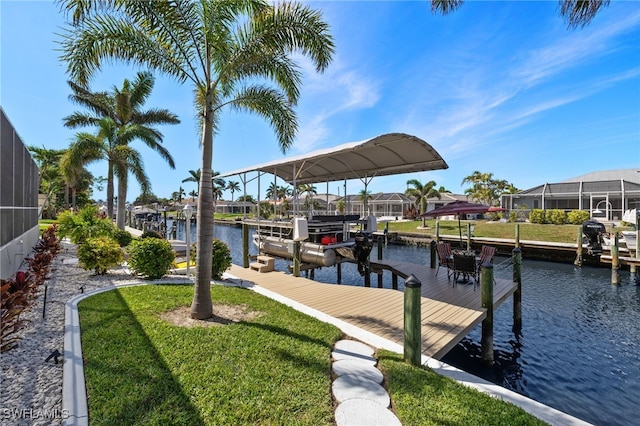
(273,369)
(483,228)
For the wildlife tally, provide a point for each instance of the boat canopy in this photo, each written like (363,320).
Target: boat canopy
(388,154)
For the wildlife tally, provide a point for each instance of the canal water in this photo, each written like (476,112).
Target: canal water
(579,347)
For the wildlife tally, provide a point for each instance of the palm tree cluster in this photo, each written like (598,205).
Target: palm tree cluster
(119,120)
(235,54)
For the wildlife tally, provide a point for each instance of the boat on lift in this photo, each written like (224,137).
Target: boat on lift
(328,238)
(324,240)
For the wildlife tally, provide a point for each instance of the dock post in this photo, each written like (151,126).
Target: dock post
(339,272)
(517,295)
(487,303)
(578,261)
(517,235)
(394,281)
(380,258)
(412,320)
(245,245)
(437,231)
(615,261)
(469,236)
(432,254)
(296,259)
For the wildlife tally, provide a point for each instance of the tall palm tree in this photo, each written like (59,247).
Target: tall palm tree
(224,49)
(233,187)
(124,107)
(577,13)
(111,144)
(308,191)
(193,195)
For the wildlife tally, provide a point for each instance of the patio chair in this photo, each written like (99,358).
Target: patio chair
(465,265)
(445,257)
(486,255)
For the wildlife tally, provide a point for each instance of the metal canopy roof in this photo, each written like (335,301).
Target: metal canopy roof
(389,154)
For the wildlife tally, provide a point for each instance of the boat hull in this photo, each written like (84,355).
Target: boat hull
(313,253)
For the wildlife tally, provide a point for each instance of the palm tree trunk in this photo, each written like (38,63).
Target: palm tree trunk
(202,307)
(122,198)
(110,189)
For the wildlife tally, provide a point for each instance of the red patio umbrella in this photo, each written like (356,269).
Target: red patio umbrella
(457,208)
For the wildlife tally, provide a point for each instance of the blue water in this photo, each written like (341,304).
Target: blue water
(579,347)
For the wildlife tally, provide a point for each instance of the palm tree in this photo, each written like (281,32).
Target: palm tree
(47,161)
(309,191)
(193,195)
(233,187)
(195,176)
(421,192)
(123,107)
(577,13)
(224,49)
(364,195)
(111,144)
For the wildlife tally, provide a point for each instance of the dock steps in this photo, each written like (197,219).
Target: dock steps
(263,264)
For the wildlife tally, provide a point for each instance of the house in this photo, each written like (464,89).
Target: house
(605,194)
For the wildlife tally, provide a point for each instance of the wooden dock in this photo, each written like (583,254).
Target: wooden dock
(448,313)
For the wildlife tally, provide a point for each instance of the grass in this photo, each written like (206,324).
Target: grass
(422,397)
(271,370)
(482,228)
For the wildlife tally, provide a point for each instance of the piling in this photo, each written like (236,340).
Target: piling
(412,320)
(380,285)
(615,261)
(296,259)
(578,261)
(433,245)
(517,295)
(517,235)
(437,231)
(245,245)
(486,343)
(468,235)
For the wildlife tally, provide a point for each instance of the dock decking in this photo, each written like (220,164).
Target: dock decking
(448,313)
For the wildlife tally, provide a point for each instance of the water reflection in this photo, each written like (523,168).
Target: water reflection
(578,349)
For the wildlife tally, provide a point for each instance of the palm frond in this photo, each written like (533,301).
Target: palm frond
(579,13)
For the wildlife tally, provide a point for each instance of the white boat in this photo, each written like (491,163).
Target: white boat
(627,240)
(326,239)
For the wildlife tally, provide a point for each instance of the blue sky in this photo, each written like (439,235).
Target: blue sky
(500,87)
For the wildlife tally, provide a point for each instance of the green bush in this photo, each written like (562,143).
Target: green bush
(100,254)
(537,216)
(151,257)
(151,234)
(220,259)
(576,217)
(556,217)
(513,216)
(122,237)
(86,223)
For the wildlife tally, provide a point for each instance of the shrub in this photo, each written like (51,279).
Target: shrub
(557,217)
(122,237)
(151,257)
(86,223)
(536,216)
(513,216)
(576,217)
(100,254)
(151,234)
(220,259)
